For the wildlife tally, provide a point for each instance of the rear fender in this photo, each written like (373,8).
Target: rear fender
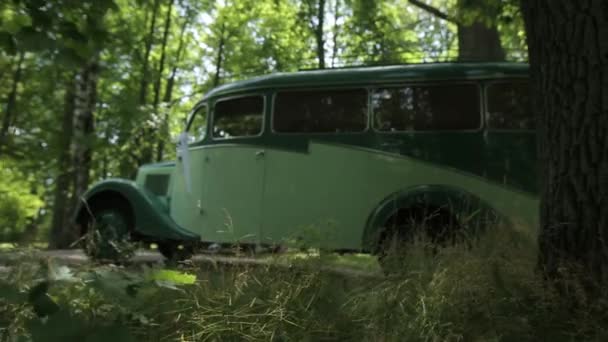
(467,208)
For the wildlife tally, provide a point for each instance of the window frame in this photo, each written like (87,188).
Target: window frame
(486,106)
(232,97)
(190,120)
(481,108)
(275,92)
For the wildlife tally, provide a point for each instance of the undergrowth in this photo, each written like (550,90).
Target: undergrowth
(486,292)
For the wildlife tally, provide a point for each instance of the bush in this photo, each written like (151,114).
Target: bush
(488,292)
(17,202)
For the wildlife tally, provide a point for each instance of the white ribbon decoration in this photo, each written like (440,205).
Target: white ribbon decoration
(182,151)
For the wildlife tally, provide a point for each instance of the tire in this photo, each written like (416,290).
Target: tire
(108,231)
(175,251)
(435,226)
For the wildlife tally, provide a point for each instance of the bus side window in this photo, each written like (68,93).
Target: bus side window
(509,106)
(238,117)
(196,127)
(320,111)
(427,108)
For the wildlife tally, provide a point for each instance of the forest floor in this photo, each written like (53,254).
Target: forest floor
(356,265)
(486,292)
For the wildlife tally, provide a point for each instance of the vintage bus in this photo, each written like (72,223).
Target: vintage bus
(347,155)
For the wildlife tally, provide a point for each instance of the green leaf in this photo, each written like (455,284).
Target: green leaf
(172,277)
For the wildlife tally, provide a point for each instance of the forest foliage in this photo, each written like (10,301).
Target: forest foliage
(94,89)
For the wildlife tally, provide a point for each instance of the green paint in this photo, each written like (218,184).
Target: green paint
(338,188)
(374,75)
(151,218)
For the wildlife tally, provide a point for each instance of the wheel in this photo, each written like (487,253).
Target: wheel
(108,234)
(433,227)
(176,251)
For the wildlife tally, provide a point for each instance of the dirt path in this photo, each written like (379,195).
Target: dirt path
(77,257)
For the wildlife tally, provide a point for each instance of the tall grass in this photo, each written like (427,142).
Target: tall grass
(486,292)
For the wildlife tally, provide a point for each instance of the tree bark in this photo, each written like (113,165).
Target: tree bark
(159,77)
(11,101)
(479,42)
(220,56)
(161,63)
(83,123)
(320,34)
(74,162)
(168,97)
(143,85)
(476,40)
(335,32)
(63,184)
(568,47)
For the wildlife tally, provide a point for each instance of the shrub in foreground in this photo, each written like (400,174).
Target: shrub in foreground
(486,292)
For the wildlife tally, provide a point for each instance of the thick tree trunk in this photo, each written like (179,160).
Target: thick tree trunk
(83,123)
(568,47)
(74,162)
(11,101)
(478,42)
(63,184)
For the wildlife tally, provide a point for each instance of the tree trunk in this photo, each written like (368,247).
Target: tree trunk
(143,86)
(62,182)
(568,47)
(161,64)
(335,32)
(159,77)
(11,101)
(145,133)
(74,160)
(169,91)
(319,34)
(220,56)
(82,144)
(478,42)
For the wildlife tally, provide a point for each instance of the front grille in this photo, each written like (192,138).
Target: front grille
(157,184)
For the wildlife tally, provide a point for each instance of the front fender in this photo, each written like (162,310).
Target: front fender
(150,214)
(464,205)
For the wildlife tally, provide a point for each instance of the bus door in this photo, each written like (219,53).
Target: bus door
(234,171)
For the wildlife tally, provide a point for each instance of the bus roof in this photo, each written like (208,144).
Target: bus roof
(374,74)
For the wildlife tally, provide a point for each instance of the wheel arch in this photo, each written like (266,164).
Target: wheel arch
(150,216)
(89,203)
(466,207)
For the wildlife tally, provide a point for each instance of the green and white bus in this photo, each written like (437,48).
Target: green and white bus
(347,154)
